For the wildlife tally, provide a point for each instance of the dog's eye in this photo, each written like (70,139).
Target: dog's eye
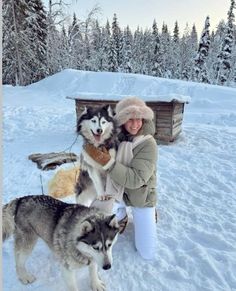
(103,122)
(96,248)
(93,120)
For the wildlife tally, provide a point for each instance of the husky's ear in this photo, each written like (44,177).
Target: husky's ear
(78,126)
(112,221)
(109,110)
(86,227)
(85,111)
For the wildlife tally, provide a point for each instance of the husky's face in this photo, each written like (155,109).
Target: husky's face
(97,239)
(96,126)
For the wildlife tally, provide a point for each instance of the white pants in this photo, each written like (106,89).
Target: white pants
(144,228)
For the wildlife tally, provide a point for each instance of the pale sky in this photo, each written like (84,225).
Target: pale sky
(142,12)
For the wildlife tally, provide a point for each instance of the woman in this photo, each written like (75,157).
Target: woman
(132,176)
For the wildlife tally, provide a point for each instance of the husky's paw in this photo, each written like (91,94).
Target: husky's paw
(98,285)
(27,278)
(104,197)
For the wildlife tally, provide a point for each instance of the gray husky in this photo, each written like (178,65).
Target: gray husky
(97,127)
(76,234)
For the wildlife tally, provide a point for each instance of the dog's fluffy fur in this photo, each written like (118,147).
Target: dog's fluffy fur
(63,183)
(77,235)
(97,126)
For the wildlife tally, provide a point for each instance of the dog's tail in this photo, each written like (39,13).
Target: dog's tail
(8,219)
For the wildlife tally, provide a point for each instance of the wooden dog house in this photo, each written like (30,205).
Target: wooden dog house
(168,115)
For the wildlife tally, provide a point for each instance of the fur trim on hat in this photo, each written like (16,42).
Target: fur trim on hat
(130,108)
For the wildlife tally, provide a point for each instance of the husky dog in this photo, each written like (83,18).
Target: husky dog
(76,234)
(97,127)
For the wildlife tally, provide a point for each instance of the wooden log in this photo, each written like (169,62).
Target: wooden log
(163,108)
(163,125)
(177,118)
(177,124)
(176,131)
(164,131)
(167,119)
(178,108)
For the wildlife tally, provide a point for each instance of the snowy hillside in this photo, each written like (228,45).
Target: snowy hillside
(196,246)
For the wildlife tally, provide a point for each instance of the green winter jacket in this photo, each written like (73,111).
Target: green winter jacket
(139,178)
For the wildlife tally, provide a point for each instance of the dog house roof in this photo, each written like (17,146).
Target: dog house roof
(116,97)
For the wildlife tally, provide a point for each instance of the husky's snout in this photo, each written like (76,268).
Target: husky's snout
(99,131)
(107,260)
(107,266)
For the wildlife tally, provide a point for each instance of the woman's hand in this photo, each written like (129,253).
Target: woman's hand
(101,155)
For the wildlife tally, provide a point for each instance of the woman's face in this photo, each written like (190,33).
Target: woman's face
(133,125)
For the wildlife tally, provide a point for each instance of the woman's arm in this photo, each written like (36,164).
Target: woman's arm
(140,169)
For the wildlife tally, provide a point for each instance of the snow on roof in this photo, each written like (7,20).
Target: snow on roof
(116,97)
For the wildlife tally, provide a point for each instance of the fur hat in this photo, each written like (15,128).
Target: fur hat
(132,107)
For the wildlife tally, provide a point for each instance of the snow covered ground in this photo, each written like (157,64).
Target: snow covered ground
(196,246)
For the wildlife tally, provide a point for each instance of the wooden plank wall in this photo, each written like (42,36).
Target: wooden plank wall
(177,119)
(168,116)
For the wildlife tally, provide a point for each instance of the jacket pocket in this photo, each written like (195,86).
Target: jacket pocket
(138,197)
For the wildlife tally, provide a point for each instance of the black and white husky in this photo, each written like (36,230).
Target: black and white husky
(97,127)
